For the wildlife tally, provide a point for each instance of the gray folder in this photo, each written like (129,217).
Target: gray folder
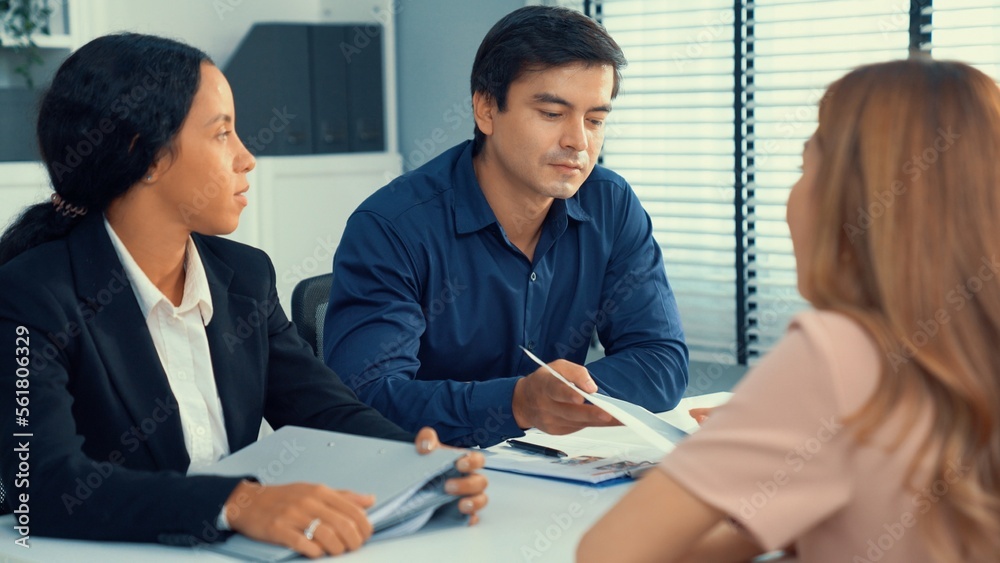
(408,487)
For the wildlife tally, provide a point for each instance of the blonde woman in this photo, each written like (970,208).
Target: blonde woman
(870,433)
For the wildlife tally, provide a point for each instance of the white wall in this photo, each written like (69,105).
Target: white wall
(436,44)
(214,26)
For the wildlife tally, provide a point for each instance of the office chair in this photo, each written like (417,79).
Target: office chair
(309,301)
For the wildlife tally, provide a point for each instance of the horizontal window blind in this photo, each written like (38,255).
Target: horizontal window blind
(671,135)
(968,31)
(709,128)
(796,49)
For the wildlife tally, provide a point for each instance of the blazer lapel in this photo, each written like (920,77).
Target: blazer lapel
(234,337)
(123,341)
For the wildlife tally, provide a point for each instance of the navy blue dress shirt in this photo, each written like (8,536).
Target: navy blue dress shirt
(430,301)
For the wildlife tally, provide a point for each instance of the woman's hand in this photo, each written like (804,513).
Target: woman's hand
(285,515)
(472,486)
(700,415)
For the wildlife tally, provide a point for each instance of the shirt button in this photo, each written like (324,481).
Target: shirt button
(533,276)
(200,431)
(531,345)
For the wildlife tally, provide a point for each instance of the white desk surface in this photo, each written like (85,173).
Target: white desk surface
(528,519)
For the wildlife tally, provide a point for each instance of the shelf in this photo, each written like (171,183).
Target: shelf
(43,41)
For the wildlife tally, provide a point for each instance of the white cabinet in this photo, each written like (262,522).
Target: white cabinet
(21,184)
(300,204)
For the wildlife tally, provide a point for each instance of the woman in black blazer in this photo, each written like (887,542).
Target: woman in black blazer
(97,291)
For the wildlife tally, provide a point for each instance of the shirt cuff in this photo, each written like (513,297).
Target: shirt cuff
(222,523)
(491,411)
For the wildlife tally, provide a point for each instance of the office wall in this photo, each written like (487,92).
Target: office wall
(436,43)
(215,26)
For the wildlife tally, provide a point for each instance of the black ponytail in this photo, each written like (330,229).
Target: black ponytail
(113,107)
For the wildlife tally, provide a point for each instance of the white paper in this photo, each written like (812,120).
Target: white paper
(636,418)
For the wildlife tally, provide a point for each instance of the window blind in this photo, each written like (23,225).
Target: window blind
(671,135)
(795,50)
(968,31)
(716,103)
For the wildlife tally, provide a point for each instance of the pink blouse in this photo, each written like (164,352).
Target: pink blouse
(779,459)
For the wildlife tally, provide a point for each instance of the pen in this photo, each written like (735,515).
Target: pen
(535,448)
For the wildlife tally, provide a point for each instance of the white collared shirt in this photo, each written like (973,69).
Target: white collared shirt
(182,345)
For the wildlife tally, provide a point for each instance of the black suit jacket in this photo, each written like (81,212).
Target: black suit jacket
(106,456)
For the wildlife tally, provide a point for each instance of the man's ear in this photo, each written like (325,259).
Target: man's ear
(484,107)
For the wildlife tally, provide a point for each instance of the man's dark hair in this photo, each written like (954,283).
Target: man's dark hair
(536,38)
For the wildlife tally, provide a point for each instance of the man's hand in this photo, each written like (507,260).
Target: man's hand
(542,401)
(472,487)
(281,514)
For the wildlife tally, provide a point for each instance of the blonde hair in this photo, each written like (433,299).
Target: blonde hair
(907,228)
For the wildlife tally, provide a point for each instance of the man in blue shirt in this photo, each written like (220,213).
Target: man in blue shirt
(513,239)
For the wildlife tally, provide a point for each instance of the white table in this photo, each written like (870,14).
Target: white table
(528,519)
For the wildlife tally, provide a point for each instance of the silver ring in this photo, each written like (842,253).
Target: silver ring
(311,530)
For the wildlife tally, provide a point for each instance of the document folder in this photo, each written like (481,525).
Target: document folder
(408,487)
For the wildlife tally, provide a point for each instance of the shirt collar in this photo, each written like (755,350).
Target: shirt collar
(473,212)
(196,289)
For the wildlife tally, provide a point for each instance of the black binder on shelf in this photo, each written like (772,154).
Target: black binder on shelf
(309,88)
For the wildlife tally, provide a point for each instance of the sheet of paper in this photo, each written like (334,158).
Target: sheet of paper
(588,461)
(661,434)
